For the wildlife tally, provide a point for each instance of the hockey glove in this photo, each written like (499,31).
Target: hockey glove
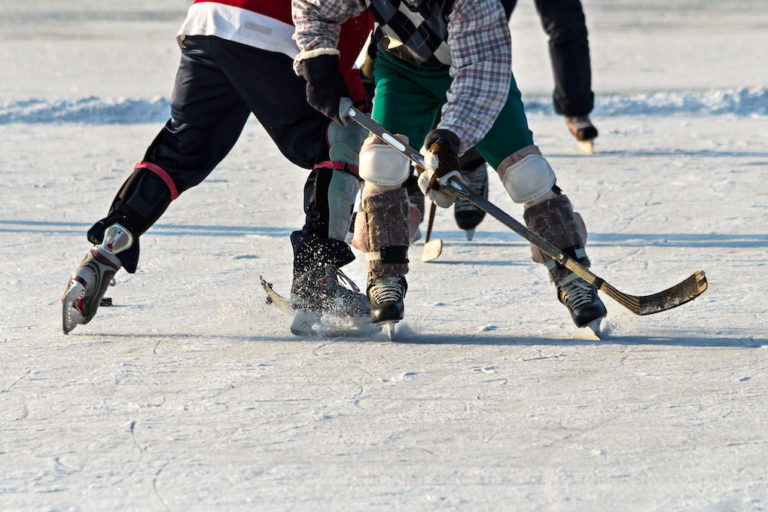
(325,84)
(441,162)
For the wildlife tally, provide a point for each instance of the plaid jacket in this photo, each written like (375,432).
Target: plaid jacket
(470,37)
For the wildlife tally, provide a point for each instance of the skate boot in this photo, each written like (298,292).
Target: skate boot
(386,295)
(467,215)
(585,132)
(323,304)
(582,301)
(90,281)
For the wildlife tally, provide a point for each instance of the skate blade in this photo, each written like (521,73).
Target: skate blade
(389,328)
(586,146)
(432,250)
(594,328)
(70,315)
(470,234)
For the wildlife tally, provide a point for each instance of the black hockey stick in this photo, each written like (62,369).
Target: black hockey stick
(684,291)
(430,221)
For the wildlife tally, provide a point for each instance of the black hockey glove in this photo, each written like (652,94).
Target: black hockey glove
(441,161)
(325,84)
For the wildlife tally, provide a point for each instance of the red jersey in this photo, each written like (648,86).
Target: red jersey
(267,24)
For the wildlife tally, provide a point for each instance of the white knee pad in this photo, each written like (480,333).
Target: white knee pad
(528,179)
(382,165)
(342,193)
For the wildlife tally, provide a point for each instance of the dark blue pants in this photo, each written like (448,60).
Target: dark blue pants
(565,24)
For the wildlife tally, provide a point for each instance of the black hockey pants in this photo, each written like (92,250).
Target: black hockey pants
(219,83)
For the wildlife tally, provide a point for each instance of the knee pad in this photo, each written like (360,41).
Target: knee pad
(526,177)
(381,165)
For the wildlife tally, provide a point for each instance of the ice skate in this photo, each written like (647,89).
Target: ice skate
(585,132)
(582,301)
(322,303)
(467,215)
(386,296)
(90,281)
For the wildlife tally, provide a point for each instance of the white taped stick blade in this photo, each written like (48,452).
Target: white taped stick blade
(432,250)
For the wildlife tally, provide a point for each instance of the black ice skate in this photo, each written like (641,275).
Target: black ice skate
(90,281)
(386,296)
(322,304)
(585,132)
(467,215)
(581,299)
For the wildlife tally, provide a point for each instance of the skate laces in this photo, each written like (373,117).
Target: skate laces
(346,282)
(327,289)
(387,289)
(574,291)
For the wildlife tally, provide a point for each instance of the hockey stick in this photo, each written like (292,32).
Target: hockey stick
(430,221)
(432,248)
(684,291)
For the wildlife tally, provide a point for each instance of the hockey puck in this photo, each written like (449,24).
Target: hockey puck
(106,301)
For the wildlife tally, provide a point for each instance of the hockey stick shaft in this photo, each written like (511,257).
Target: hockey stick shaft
(430,220)
(679,294)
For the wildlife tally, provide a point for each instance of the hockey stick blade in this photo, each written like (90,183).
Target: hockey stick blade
(677,295)
(432,248)
(682,292)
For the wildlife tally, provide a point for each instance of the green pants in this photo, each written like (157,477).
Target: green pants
(409,97)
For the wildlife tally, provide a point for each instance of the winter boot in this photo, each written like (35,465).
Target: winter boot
(386,225)
(90,280)
(320,296)
(467,215)
(554,220)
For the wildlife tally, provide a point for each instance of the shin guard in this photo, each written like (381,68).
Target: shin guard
(555,220)
(141,200)
(384,219)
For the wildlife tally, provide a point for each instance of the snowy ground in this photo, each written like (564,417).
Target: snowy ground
(191,394)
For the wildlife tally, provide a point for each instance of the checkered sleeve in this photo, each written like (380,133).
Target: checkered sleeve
(318,24)
(481,67)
